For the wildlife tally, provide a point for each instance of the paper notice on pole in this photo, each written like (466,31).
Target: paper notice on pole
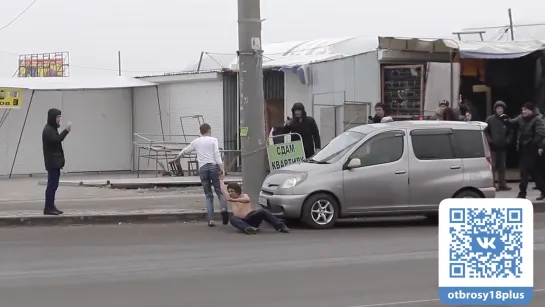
(256,43)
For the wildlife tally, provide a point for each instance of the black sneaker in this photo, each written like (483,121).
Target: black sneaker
(283,229)
(251,230)
(521,196)
(225,217)
(541,197)
(211,224)
(506,188)
(51,212)
(58,211)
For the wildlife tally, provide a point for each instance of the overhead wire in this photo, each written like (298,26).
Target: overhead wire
(96,68)
(19,15)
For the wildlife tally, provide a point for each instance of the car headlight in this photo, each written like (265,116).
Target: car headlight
(293,181)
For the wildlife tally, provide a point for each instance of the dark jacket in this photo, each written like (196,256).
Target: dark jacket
(376,119)
(469,107)
(306,127)
(449,114)
(498,134)
(531,132)
(52,142)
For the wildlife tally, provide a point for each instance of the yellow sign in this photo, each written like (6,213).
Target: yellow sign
(11,98)
(243,131)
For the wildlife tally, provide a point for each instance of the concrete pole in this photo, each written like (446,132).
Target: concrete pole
(252,101)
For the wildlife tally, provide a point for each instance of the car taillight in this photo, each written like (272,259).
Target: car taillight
(421,118)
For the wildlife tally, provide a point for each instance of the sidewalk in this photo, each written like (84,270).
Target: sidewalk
(21,203)
(22,200)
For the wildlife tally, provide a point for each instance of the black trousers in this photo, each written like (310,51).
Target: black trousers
(529,161)
(498,166)
(53,178)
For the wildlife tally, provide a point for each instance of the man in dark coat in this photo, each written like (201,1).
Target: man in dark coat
(499,136)
(53,158)
(531,138)
(305,126)
(380,113)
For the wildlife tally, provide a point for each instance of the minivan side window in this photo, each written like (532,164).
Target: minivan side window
(382,148)
(468,144)
(433,146)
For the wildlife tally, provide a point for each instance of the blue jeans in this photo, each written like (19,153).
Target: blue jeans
(255,218)
(53,177)
(210,178)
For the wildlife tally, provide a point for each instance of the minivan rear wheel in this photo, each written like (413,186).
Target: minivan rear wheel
(320,211)
(467,194)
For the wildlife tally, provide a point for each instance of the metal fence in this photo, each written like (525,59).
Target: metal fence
(151,148)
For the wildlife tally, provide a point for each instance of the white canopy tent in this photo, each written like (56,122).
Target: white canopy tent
(476,50)
(33,85)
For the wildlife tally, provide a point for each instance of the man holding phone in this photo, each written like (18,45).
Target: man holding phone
(305,126)
(53,158)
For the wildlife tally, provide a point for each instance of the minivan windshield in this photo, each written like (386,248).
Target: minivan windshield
(337,147)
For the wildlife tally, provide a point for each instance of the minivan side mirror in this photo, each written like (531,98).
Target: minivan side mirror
(354,163)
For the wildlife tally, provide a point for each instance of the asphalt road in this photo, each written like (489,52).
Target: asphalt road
(372,265)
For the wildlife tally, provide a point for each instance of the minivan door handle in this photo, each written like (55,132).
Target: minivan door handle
(455,167)
(400,172)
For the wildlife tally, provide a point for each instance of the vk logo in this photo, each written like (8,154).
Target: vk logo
(486,243)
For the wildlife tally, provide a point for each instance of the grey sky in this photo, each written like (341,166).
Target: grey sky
(166,35)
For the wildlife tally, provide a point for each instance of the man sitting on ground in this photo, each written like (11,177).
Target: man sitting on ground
(244,217)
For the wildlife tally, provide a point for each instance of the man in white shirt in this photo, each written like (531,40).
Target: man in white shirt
(210,170)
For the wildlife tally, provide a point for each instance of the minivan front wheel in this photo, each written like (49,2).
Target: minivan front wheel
(320,211)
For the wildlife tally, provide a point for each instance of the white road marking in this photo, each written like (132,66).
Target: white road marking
(413,302)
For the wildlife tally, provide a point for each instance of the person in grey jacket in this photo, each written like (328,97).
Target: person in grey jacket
(499,136)
(530,145)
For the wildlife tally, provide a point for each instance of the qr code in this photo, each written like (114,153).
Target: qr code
(485,243)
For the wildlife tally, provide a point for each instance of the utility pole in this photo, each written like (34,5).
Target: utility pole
(511,25)
(119,62)
(252,101)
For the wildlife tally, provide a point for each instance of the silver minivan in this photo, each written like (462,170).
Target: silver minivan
(397,168)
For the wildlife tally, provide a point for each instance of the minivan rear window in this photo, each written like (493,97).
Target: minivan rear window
(468,144)
(461,144)
(432,147)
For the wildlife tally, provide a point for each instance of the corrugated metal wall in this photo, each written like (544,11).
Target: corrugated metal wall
(351,80)
(231,113)
(273,84)
(354,78)
(273,88)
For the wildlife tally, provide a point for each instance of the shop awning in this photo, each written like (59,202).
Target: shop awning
(468,50)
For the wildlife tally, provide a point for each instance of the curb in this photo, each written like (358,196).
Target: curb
(131,186)
(539,207)
(134,218)
(131,218)
(78,184)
